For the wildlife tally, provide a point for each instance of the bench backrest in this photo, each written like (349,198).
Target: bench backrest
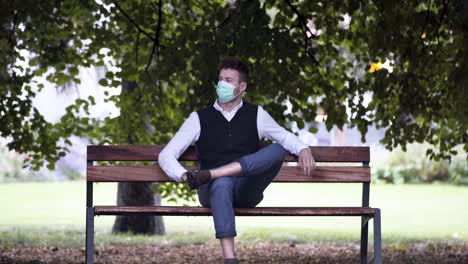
(288,173)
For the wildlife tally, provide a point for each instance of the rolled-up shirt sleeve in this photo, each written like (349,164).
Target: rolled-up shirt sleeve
(270,129)
(185,136)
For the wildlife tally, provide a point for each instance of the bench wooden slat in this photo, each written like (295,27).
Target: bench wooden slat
(286,174)
(150,153)
(256,211)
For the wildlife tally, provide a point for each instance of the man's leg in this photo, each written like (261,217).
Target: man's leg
(259,169)
(197,178)
(253,164)
(227,243)
(218,195)
(231,169)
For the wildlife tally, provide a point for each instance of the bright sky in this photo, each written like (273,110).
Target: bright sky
(52,104)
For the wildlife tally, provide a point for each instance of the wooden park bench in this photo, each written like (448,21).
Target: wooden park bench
(288,173)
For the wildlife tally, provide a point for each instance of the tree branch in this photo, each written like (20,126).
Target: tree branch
(224,22)
(12,32)
(131,21)
(156,37)
(304,28)
(307,39)
(428,11)
(137,46)
(302,25)
(441,19)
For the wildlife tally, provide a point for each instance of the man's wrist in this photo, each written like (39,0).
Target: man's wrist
(183,176)
(307,148)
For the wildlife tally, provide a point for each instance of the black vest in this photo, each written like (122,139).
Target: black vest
(220,141)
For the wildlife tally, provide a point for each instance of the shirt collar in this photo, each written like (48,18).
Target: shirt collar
(219,108)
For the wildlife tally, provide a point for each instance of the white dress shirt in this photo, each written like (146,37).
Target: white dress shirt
(189,132)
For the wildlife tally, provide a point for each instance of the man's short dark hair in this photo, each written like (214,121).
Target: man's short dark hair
(235,64)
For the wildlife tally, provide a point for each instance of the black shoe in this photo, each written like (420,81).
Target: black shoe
(197,178)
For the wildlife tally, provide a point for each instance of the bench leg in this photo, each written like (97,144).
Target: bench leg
(364,238)
(89,235)
(377,238)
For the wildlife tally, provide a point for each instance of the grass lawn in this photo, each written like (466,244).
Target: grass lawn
(53,213)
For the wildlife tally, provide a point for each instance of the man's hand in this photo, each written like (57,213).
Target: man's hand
(307,162)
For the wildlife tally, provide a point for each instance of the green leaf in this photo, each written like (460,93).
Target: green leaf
(62,79)
(313,129)
(73,70)
(109,75)
(40,71)
(103,82)
(91,99)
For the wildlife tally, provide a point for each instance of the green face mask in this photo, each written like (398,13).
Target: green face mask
(225,91)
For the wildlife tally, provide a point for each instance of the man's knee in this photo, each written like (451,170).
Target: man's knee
(279,151)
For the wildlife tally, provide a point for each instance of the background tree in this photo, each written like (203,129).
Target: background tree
(299,51)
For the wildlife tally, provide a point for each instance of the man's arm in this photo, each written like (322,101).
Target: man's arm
(268,128)
(168,157)
(271,130)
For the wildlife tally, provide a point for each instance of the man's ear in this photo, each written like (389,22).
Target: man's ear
(243,86)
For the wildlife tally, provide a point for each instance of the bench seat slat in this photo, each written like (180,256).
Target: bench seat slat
(256,211)
(286,174)
(151,152)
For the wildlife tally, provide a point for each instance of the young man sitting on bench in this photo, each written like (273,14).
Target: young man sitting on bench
(233,171)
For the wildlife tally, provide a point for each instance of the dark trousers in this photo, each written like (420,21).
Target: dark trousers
(223,194)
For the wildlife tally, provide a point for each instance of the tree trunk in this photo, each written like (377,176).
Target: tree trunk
(137,194)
